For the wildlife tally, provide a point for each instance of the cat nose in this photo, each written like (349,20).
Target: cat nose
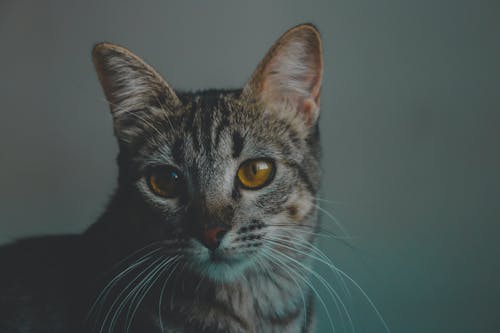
(213,236)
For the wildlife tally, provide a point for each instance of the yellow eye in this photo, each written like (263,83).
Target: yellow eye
(165,182)
(255,174)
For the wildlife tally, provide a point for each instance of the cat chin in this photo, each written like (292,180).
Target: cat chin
(220,269)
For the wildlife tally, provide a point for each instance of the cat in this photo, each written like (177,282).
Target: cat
(210,225)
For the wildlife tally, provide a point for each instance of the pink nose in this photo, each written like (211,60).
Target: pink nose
(213,236)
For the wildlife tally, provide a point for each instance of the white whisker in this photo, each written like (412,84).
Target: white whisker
(335,296)
(306,281)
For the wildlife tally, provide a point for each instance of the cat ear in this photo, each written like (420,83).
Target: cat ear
(131,87)
(288,79)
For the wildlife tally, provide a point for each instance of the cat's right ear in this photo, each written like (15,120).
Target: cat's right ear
(131,87)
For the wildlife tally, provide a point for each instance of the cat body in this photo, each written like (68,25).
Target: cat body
(210,226)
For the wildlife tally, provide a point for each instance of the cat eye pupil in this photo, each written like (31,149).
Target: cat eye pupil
(259,166)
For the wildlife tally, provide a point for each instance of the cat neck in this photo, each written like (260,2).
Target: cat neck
(251,303)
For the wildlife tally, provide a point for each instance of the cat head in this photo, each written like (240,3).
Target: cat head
(223,179)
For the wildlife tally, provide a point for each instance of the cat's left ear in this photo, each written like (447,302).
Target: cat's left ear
(288,79)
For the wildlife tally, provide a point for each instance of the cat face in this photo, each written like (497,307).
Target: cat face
(222,178)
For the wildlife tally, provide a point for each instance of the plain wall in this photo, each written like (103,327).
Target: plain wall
(410,128)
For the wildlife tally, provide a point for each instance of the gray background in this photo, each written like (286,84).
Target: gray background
(410,120)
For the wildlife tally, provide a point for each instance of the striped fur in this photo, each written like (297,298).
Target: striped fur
(253,284)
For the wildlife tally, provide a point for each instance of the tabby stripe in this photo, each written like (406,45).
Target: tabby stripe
(177,150)
(206,125)
(224,122)
(310,307)
(238,143)
(303,176)
(235,194)
(190,125)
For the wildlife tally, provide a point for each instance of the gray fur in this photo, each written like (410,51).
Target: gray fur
(207,135)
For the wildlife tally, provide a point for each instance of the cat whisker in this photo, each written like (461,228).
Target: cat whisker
(135,263)
(344,276)
(333,202)
(136,294)
(163,267)
(333,293)
(316,231)
(364,294)
(112,313)
(262,264)
(295,241)
(333,219)
(102,296)
(162,293)
(286,267)
(135,253)
(368,299)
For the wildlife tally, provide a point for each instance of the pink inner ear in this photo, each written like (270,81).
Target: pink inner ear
(293,78)
(288,79)
(293,75)
(310,110)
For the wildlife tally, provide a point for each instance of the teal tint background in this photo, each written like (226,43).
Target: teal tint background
(410,124)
